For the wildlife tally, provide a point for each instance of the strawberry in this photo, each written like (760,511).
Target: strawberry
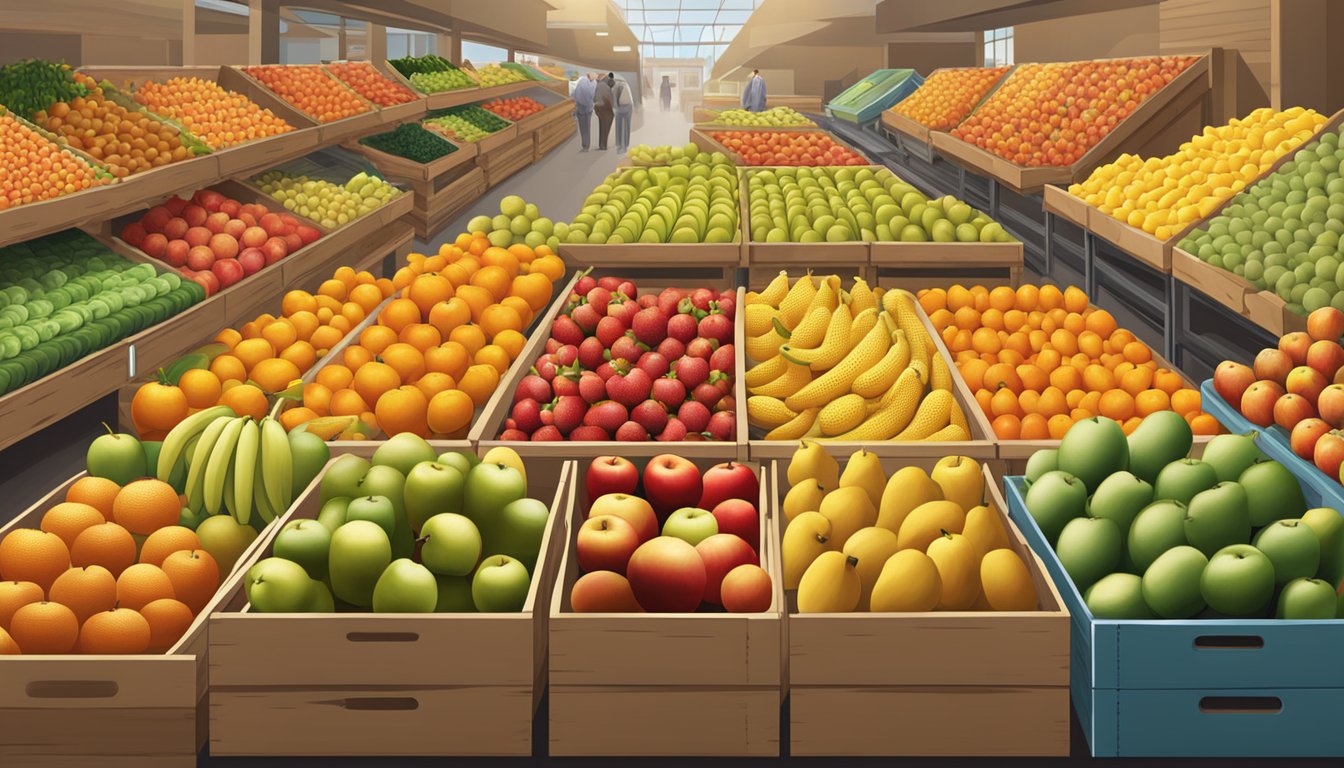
(716,326)
(566,355)
(671,348)
(585,283)
(609,329)
(692,372)
(706,394)
(629,386)
(648,300)
(608,369)
(675,431)
(510,424)
(701,297)
(623,308)
(668,300)
(527,415)
(586,316)
(722,359)
(533,387)
(552,344)
(728,304)
(701,348)
(726,403)
(566,331)
(598,298)
(627,287)
(681,327)
(592,353)
(546,368)
(653,364)
(513,436)
(722,425)
(608,414)
(547,415)
(630,432)
(651,415)
(610,283)
(546,434)
(668,391)
(569,412)
(589,432)
(694,415)
(650,325)
(626,347)
(566,381)
(592,387)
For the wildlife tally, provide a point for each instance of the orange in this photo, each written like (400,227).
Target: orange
(118,631)
(498,318)
(494,279)
(29,554)
(334,288)
(367,296)
(406,360)
(1014,320)
(477,298)
(108,544)
(535,289)
(450,357)
(973,372)
(981,294)
(158,407)
(281,333)
(45,627)
(932,300)
(499,257)
(511,341)
(1003,298)
(85,591)
(346,275)
(1089,343)
(16,594)
(1137,352)
(1050,298)
(1167,381)
(433,383)
(168,621)
(1136,380)
(941,318)
(1007,427)
(1116,404)
(985,341)
(1101,323)
(1066,377)
(347,402)
(97,492)
(1185,401)
(469,336)
(427,290)
(298,301)
(141,584)
(447,315)
(1028,401)
(201,387)
(1053,402)
(982,399)
(1048,359)
(1063,341)
(1151,401)
(69,518)
(992,318)
(519,305)
(1074,299)
(1058,425)
(375,338)
(291,418)
(353,313)
(398,314)
(967,318)
(457,274)
(326,337)
(194,575)
(450,411)
(1130,424)
(355,356)
(1033,377)
(1205,424)
(250,330)
(1027,297)
(403,277)
(246,400)
(301,354)
(1098,378)
(385,287)
(334,377)
(1091,402)
(493,356)
(317,397)
(371,381)
(403,410)
(1034,427)
(166,541)
(276,374)
(1002,375)
(1078,414)
(549,265)
(1004,401)
(422,336)
(228,337)
(479,383)
(253,351)
(341,323)
(959,296)
(144,506)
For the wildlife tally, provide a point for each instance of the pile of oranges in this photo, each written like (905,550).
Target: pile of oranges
(373,85)
(1039,359)
(1051,114)
(109,571)
(437,351)
(126,141)
(219,117)
(311,89)
(36,169)
(264,356)
(948,96)
(811,148)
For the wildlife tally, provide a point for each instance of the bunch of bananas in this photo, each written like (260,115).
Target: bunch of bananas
(233,463)
(845,365)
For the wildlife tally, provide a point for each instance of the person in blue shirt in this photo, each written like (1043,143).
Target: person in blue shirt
(584,91)
(753,96)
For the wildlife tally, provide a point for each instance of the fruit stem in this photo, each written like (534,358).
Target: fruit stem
(109,429)
(851,561)
(279,406)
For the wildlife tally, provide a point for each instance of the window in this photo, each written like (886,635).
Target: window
(685,29)
(999,47)
(480,54)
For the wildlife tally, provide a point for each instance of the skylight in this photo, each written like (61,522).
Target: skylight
(685,29)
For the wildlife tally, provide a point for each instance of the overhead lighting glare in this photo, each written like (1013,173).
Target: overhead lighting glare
(601,34)
(621,48)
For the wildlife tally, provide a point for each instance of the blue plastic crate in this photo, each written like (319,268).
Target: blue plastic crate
(890,87)
(1212,688)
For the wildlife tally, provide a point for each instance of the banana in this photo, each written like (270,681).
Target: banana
(833,346)
(894,413)
(793,379)
(775,292)
(765,372)
(768,412)
(765,346)
(758,317)
(900,307)
(260,501)
(934,413)
(800,296)
(796,428)
(828,295)
(861,296)
(842,414)
(958,419)
(838,380)
(877,380)
(200,459)
(244,471)
(217,469)
(175,443)
(751,297)
(863,323)
(941,376)
(948,434)
(278,463)
(812,329)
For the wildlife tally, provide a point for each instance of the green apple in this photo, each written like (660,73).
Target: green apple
(1182,479)
(1053,500)
(1089,548)
(454,595)
(332,514)
(1238,581)
(225,539)
(522,527)
(451,544)
(1230,455)
(1304,598)
(342,477)
(375,509)
(1272,493)
(1117,596)
(1292,546)
(507,456)
(1329,528)
(1218,517)
(1093,449)
(360,552)
(322,601)
(1119,499)
(1161,438)
(116,456)
(403,451)
(500,585)
(691,524)
(1158,527)
(405,586)
(1042,461)
(489,489)
(462,461)
(432,488)
(306,542)
(277,585)
(382,480)
(310,454)
(1171,583)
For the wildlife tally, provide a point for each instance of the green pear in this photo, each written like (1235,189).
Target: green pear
(360,552)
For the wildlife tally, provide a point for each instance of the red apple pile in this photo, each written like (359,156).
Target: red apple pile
(632,367)
(1298,386)
(216,240)
(670,540)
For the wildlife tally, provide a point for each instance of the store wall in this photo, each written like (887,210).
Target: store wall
(221,49)
(822,71)
(1241,28)
(20,44)
(1125,32)
(926,57)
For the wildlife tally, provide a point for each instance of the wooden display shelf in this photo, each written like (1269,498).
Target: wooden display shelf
(384,684)
(722,256)
(702,138)
(918,265)
(401,168)
(120,711)
(550,135)
(915,137)
(1158,123)
(1058,201)
(439,100)
(445,199)
(717,676)
(507,159)
(893,684)
(485,430)
(397,113)
(1267,310)
(335,131)
(1226,288)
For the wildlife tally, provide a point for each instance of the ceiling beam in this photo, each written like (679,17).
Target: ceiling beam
(979,15)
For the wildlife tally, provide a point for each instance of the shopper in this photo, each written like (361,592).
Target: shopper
(605,108)
(624,107)
(583,107)
(753,97)
(665,93)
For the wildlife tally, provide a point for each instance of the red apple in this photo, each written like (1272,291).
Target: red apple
(1273,365)
(176,228)
(198,236)
(252,259)
(1325,323)
(603,592)
(721,553)
(605,543)
(229,271)
(177,252)
(272,224)
(670,483)
(747,589)
(729,480)
(253,237)
(275,249)
(208,281)
(306,233)
(216,222)
(200,257)
(175,205)
(224,246)
(235,228)
(1304,437)
(1295,345)
(195,215)
(739,518)
(1326,356)
(134,233)
(1290,409)
(209,199)
(632,509)
(1329,453)
(1330,405)
(1231,380)
(293,242)
(1257,404)
(1305,381)
(667,575)
(155,245)
(611,474)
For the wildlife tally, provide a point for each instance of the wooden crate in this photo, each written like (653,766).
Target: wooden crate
(893,684)
(131,711)
(551,135)
(852,255)
(1226,288)
(486,429)
(1267,310)
(384,684)
(919,265)
(433,101)
(501,163)
(915,137)
(397,113)
(445,199)
(336,131)
(1058,201)
(404,169)
(702,137)
(665,684)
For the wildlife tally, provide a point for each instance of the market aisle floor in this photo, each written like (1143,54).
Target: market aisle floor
(558,184)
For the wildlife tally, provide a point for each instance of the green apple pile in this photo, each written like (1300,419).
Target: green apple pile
(1286,232)
(670,155)
(775,117)
(518,222)
(330,205)
(1144,531)
(479,536)
(65,296)
(492,75)
(836,205)
(691,203)
(432,74)
(469,123)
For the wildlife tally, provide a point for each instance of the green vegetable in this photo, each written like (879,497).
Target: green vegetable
(412,142)
(31,85)
(410,65)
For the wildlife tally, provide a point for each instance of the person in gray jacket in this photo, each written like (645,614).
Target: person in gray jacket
(583,107)
(605,107)
(623,107)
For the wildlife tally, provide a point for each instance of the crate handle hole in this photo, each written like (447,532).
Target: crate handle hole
(382,637)
(1233,642)
(1251,705)
(72,689)
(383,704)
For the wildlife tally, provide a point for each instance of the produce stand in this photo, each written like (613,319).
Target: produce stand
(881,90)
(702,138)
(920,265)
(898,684)
(397,113)
(335,131)
(552,134)
(915,137)
(665,683)
(384,684)
(442,188)
(123,711)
